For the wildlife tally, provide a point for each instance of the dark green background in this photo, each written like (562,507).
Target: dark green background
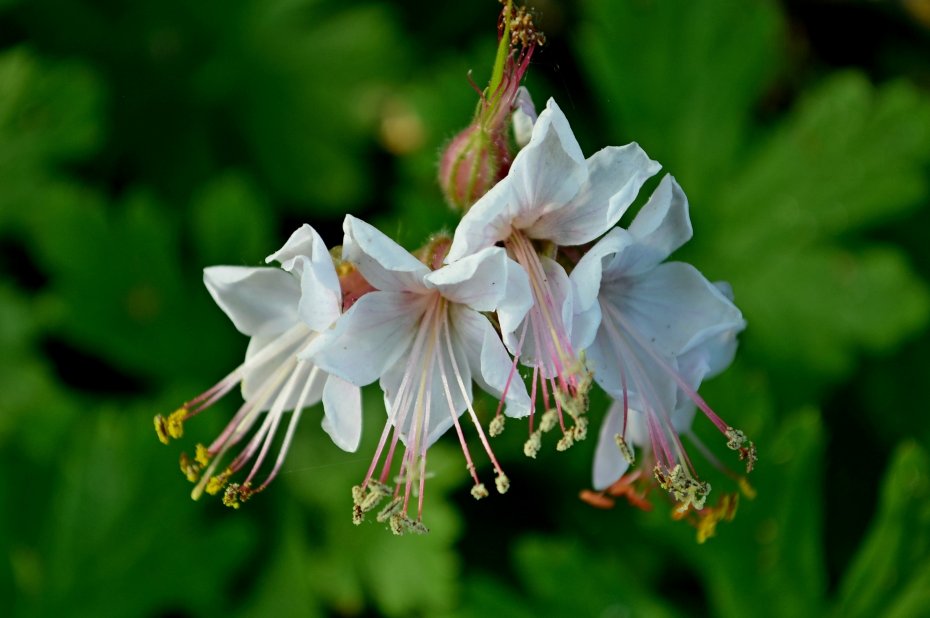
(142,141)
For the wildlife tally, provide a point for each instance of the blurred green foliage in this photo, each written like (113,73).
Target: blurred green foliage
(141,142)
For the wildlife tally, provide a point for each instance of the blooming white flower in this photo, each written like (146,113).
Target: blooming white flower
(423,335)
(281,310)
(651,314)
(553,196)
(703,361)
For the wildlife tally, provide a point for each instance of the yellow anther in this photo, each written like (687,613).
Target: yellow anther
(202,456)
(724,511)
(625,449)
(216,483)
(161,429)
(231,496)
(565,442)
(418,527)
(371,500)
(236,494)
(357,516)
(747,489)
(393,507)
(549,419)
(399,524)
(531,446)
(176,423)
(502,482)
(190,468)
(479,491)
(496,427)
(580,431)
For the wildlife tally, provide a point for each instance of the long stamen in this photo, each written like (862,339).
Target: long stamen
(471,411)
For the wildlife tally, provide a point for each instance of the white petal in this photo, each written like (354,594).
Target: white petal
(609,463)
(488,221)
(320,293)
(342,405)
(429,370)
(585,324)
(303,242)
(589,271)
(547,173)
(553,119)
(539,352)
(620,363)
(257,300)
(614,177)
(267,378)
(524,117)
(490,364)
(516,302)
(670,306)
(385,265)
(663,224)
(369,338)
(479,280)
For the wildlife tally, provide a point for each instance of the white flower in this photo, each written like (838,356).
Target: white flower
(552,196)
(703,361)
(423,335)
(281,310)
(651,314)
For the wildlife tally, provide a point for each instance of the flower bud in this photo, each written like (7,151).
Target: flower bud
(471,164)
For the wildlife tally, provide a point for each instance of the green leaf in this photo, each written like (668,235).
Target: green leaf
(123,293)
(849,156)
(284,587)
(401,575)
(770,556)
(565,578)
(893,564)
(49,112)
(231,222)
(115,539)
(323,73)
(681,78)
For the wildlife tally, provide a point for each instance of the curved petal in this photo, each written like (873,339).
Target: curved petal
(589,271)
(488,360)
(663,224)
(552,119)
(257,300)
(609,463)
(303,242)
(488,221)
(369,338)
(548,172)
(671,306)
(516,302)
(320,293)
(342,407)
(524,117)
(621,364)
(614,177)
(385,265)
(478,281)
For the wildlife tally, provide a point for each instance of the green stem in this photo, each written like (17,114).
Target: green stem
(503,49)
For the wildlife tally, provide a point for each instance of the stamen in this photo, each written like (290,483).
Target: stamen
(625,450)
(496,427)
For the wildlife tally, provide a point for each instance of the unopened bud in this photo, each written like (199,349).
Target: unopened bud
(471,164)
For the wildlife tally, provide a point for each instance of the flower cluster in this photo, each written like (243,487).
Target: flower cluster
(537,275)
